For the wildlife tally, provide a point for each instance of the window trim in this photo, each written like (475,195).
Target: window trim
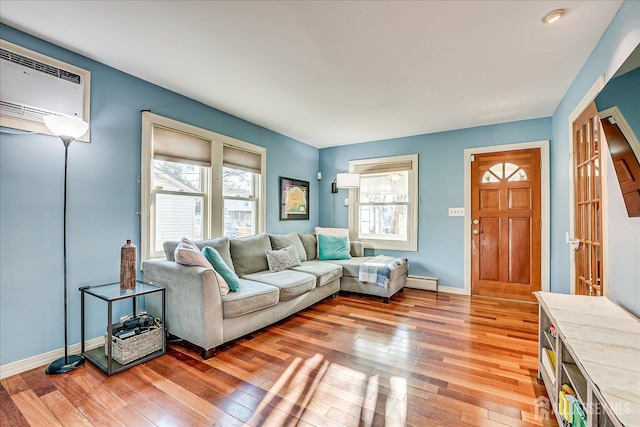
(412,227)
(213,200)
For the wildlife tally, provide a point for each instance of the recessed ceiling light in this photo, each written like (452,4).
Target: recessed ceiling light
(553,16)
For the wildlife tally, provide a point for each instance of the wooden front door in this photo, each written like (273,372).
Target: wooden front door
(506,228)
(588,207)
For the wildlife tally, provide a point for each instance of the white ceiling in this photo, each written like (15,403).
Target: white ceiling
(330,73)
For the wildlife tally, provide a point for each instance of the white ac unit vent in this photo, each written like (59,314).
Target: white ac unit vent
(31,89)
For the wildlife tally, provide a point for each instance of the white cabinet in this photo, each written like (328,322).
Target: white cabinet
(596,346)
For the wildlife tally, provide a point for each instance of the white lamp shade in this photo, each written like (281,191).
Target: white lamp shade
(72,127)
(348,180)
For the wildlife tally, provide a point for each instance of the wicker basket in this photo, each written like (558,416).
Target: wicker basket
(127,350)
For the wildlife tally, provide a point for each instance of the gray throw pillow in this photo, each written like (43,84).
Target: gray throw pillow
(249,253)
(281,241)
(310,245)
(282,259)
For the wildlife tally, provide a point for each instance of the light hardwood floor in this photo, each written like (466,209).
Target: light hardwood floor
(425,359)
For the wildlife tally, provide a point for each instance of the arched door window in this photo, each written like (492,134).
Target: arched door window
(505,170)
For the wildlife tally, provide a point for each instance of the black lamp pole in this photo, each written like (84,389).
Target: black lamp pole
(66,363)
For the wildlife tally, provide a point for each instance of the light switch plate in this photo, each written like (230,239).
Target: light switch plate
(346,202)
(456,211)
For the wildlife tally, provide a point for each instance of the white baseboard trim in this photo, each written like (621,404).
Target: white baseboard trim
(29,363)
(452,290)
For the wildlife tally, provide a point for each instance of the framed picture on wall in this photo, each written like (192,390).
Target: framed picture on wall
(294,199)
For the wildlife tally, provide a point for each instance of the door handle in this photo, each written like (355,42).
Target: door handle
(476,232)
(575,243)
(475,222)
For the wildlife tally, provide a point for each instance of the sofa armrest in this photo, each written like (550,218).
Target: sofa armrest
(194,305)
(357,249)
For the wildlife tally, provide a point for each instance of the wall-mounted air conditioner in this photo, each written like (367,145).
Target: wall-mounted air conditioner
(33,86)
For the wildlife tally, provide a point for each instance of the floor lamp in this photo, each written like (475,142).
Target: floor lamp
(67,129)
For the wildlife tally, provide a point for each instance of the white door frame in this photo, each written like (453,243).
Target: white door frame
(588,98)
(545,211)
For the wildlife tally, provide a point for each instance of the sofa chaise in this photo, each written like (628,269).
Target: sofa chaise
(197,313)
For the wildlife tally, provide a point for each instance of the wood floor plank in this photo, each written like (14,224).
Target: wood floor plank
(425,359)
(38,381)
(96,391)
(34,411)
(158,415)
(14,384)
(10,414)
(130,417)
(63,410)
(98,415)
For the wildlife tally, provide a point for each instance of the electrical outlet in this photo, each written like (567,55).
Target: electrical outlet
(456,211)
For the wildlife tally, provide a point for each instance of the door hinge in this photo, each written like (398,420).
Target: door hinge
(472,157)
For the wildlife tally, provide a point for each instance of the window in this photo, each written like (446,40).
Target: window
(240,186)
(178,200)
(383,211)
(197,184)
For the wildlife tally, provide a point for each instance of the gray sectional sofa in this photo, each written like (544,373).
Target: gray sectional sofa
(197,313)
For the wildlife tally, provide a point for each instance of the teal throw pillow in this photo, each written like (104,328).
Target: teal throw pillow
(333,247)
(222,268)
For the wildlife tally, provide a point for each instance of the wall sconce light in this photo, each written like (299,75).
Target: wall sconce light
(345,180)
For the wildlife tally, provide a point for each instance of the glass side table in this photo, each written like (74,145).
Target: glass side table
(132,350)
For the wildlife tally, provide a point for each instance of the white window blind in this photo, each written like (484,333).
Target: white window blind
(371,168)
(175,146)
(236,158)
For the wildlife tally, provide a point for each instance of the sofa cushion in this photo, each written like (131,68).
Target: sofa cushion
(351,267)
(310,244)
(214,257)
(251,296)
(325,272)
(220,244)
(283,259)
(249,253)
(281,241)
(333,247)
(291,283)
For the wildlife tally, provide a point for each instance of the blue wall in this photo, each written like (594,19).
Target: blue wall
(102,201)
(623,92)
(441,186)
(619,40)
(103,194)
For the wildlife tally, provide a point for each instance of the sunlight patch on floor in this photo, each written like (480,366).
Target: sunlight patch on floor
(300,394)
